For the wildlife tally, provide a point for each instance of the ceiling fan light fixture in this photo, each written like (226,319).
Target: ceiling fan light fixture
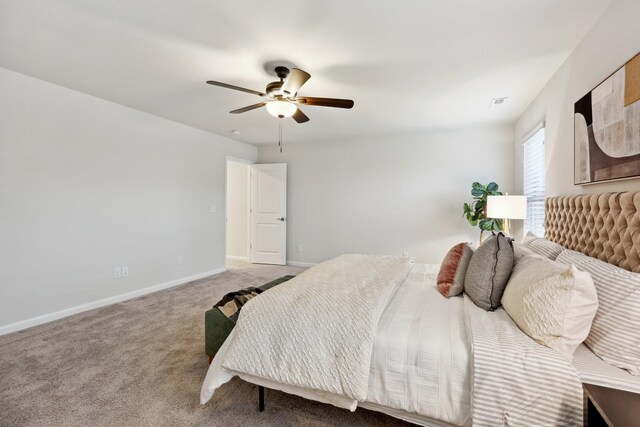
(281,97)
(281,109)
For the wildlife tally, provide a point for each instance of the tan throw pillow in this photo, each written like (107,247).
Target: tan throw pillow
(551,302)
(453,269)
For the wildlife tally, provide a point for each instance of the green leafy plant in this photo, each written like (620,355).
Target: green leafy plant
(476,212)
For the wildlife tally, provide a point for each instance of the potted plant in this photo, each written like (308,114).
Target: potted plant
(476,212)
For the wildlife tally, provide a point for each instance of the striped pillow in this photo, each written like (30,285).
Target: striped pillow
(529,237)
(615,333)
(542,246)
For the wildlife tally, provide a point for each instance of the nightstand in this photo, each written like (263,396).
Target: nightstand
(610,407)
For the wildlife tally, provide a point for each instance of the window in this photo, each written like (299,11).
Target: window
(534,165)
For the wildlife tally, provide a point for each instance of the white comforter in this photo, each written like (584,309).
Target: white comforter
(316,331)
(419,363)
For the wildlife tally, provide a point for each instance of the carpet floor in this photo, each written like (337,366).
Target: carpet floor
(141,363)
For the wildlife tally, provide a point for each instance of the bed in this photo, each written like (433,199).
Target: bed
(405,351)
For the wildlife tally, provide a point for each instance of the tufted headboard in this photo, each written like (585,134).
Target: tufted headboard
(604,226)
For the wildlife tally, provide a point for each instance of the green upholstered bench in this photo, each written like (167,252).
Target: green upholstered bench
(221,319)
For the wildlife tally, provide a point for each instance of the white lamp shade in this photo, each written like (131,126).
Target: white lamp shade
(507,207)
(281,108)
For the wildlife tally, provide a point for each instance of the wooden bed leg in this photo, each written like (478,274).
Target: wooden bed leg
(260,398)
(210,359)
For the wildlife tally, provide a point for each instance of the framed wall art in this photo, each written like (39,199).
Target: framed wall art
(607,128)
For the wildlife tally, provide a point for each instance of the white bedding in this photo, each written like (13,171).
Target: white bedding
(317,330)
(447,360)
(420,361)
(515,381)
(593,370)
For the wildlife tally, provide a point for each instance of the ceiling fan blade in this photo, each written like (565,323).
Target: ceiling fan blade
(325,102)
(241,89)
(294,81)
(249,108)
(300,117)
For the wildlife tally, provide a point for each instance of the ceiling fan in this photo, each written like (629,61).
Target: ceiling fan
(281,98)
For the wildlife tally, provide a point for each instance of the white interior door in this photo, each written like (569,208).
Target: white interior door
(269,214)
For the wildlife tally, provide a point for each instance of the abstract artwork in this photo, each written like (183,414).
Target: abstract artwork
(607,128)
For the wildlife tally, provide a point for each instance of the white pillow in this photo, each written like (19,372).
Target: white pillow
(615,334)
(542,246)
(551,302)
(529,237)
(519,251)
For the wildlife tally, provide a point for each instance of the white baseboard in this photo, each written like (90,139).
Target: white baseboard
(301,264)
(24,324)
(238,258)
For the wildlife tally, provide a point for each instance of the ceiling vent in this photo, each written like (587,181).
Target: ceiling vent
(495,102)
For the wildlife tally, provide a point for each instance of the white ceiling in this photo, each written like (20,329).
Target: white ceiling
(409,65)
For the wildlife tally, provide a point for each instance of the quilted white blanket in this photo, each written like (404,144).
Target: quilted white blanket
(290,336)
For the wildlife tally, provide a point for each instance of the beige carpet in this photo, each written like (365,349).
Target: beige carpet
(141,363)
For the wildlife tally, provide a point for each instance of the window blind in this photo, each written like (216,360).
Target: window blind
(534,167)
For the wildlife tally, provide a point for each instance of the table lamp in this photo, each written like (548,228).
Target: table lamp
(507,208)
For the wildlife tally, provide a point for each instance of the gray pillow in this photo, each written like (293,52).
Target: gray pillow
(489,271)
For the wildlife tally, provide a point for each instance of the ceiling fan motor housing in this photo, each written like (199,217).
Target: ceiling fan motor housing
(273,88)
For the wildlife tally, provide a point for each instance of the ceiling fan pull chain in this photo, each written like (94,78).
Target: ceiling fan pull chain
(280,134)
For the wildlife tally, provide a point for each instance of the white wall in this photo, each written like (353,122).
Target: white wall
(87,185)
(237,209)
(389,194)
(613,41)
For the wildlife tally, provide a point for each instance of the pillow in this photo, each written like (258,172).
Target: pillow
(542,246)
(529,237)
(519,251)
(453,269)
(551,302)
(489,271)
(615,333)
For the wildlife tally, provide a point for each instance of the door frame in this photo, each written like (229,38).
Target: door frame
(227,159)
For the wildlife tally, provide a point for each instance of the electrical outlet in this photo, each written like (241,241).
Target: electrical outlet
(299,248)
(117,273)
(212,209)
(180,260)
(125,271)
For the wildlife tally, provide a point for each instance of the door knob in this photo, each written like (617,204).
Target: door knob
(281,219)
